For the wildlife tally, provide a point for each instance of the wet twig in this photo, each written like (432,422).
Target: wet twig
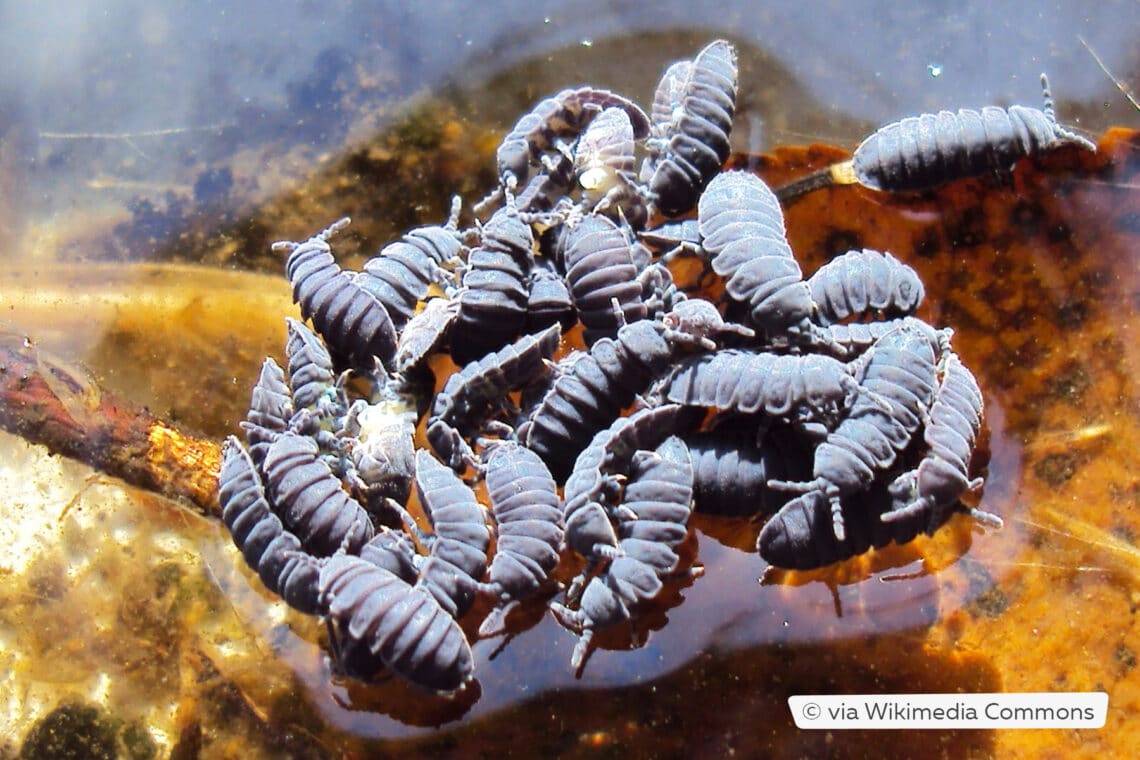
(51,403)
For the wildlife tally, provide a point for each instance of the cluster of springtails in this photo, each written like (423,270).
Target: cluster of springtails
(820,404)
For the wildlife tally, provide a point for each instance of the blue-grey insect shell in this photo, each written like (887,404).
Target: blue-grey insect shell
(528,515)
(698,132)
(311,499)
(400,626)
(865,283)
(270,410)
(457,547)
(921,152)
(356,326)
(268,548)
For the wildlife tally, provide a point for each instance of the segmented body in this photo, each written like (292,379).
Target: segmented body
(475,392)
(667,98)
(769,284)
(803,387)
(424,334)
(272,552)
(608,599)
(943,475)
(380,443)
(270,409)
(457,546)
(352,322)
(697,136)
(599,265)
(863,284)
(921,152)
(657,501)
(593,490)
(528,515)
(548,300)
(604,163)
(380,620)
(801,535)
(731,472)
(592,387)
(492,306)
(594,391)
(898,387)
(854,338)
(393,551)
(737,205)
(311,375)
(797,434)
(655,511)
(310,499)
(562,116)
(402,273)
(742,228)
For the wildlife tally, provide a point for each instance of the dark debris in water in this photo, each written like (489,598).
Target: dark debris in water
(1057,469)
(79,731)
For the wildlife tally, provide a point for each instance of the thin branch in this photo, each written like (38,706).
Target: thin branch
(1124,89)
(59,406)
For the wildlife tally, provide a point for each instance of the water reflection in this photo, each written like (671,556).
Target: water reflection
(728,702)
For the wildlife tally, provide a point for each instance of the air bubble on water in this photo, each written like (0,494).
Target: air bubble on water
(935,70)
(587,42)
